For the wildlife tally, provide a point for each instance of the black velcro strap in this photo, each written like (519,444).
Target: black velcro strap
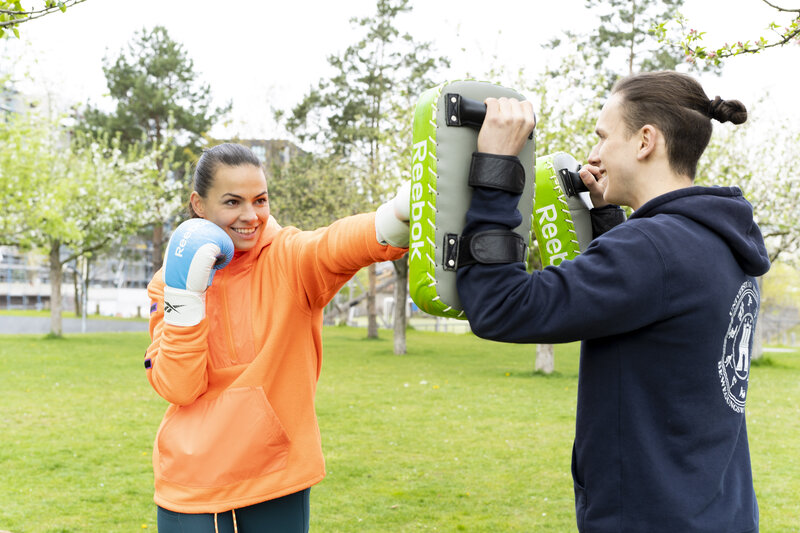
(491,247)
(494,171)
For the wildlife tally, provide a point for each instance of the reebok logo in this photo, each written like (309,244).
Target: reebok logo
(184,241)
(550,232)
(168,307)
(420,152)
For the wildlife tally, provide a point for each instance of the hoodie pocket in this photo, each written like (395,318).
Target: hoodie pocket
(580,493)
(211,443)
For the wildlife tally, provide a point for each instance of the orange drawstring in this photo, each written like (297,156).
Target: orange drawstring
(235,527)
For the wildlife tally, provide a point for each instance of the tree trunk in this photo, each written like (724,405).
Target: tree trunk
(76,286)
(55,288)
(400,297)
(631,52)
(545,360)
(372,315)
(758,334)
(158,244)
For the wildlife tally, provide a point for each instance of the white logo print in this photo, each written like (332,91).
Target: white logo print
(734,367)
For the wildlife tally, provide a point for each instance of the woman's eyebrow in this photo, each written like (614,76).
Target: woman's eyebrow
(236,196)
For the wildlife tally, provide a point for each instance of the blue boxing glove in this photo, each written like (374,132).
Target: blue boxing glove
(196,249)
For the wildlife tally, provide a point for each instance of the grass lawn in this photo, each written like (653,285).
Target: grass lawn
(459,435)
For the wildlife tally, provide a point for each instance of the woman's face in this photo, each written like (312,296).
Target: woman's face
(237,202)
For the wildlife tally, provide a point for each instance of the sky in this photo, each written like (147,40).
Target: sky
(263,55)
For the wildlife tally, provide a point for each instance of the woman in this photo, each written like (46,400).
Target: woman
(238,359)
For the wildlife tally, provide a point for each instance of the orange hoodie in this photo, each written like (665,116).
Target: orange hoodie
(241,428)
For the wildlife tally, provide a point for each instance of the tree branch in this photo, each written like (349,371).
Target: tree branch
(25,16)
(84,251)
(773,6)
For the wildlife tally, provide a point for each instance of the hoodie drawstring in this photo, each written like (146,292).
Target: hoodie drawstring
(235,527)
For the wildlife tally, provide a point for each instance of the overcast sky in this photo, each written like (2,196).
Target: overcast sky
(263,54)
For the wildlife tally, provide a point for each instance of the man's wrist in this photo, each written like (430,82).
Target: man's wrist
(495,171)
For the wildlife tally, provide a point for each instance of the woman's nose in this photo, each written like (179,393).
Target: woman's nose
(248,213)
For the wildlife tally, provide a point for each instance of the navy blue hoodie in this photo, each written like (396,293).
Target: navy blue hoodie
(666,304)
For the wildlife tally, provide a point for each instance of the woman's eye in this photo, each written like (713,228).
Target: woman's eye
(261,201)
(231,202)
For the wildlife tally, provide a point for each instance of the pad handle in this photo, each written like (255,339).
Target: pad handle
(463,111)
(572,182)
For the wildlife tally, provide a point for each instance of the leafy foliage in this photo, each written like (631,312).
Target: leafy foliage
(155,88)
(12,14)
(157,95)
(328,191)
(760,157)
(625,42)
(692,40)
(363,112)
(81,195)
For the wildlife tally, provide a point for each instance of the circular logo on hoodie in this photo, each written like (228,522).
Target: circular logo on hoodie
(734,367)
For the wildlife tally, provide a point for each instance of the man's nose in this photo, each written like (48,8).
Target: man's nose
(594,156)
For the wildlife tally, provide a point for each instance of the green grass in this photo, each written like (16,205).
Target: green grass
(458,435)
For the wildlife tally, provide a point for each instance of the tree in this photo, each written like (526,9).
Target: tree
(691,40)
(759,157)
(12,13)
(624,36)
(155,88)
(71,198)
(363,111)
(312,191)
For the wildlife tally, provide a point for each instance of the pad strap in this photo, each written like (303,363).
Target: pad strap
(494,171)
(491,247)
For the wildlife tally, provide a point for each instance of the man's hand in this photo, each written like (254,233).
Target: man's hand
(507,125)
(595,182)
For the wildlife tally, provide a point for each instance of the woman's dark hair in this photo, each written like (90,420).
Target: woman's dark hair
(678,106)
(228,154)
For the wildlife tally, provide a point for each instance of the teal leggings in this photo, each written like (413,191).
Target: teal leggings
(289,514)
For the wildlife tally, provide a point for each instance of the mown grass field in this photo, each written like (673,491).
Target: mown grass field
(458,435)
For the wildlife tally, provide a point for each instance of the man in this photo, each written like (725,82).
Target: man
(664,303)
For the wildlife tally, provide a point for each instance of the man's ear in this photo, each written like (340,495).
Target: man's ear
(648,139)
(197,204)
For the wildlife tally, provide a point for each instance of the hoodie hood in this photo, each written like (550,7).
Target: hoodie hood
(725,211)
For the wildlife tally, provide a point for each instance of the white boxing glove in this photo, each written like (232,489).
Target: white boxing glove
(391,219)
(195,251)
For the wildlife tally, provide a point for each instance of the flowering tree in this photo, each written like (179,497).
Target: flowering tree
(691,40)
(760,158)
(73,198)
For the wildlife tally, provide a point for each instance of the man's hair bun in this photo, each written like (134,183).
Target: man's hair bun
(727,110)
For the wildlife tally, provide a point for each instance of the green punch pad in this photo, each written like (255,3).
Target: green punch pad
(440,196)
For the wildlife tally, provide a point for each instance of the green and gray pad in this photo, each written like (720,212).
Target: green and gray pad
(561,219)
(440,195)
